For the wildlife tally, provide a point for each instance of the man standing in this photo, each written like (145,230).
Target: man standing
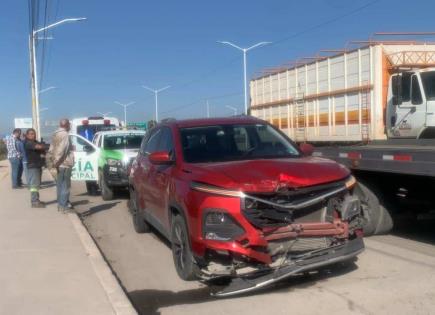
(34,151)
(22,151)
(14,156)
(62,157)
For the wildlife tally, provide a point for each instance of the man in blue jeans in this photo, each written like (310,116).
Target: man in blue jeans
(61,154)
(15,158)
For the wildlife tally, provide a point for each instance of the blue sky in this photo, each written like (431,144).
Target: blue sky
(125,44)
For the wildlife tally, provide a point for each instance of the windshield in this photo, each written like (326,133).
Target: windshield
(234,142)
(428,79)
(88,131)
(119,142)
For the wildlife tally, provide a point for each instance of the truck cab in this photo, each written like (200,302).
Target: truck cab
(411,104)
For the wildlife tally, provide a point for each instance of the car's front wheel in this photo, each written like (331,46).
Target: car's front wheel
(181,252)
(106,191)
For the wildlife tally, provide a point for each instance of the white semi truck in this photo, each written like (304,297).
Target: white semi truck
(372,109)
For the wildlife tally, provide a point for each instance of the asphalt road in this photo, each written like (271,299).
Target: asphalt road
(395,274)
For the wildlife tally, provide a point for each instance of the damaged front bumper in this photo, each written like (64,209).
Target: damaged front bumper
(292,265)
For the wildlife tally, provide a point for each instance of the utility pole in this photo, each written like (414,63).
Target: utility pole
(245,79)
(208,110)
(125,110)
(156,92)
(34,74)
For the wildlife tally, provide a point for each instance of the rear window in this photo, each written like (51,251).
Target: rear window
(89,131)
(119,142)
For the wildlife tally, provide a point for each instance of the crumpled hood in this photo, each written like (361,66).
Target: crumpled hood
(269,175)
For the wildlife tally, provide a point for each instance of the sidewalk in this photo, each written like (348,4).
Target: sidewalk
(48,262)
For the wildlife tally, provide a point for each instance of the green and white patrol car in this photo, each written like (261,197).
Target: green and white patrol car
(104,162)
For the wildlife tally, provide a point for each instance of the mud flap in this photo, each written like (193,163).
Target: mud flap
(310,262)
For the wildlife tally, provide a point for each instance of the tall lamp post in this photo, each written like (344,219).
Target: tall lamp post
(156,92)
(34,73)
(245,79)
(125,110)
(232,108)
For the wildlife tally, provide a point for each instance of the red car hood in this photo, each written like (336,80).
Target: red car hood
(269,175)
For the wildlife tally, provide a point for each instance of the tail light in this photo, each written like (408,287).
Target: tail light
(106,122)
(85,122)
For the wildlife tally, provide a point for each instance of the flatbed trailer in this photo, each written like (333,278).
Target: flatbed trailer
(395,177)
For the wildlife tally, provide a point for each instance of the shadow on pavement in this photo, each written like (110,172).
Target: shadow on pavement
(417,230)
(98,208)
(150,301)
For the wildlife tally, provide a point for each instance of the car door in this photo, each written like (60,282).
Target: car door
(408,113)
(85,159)
(144,172)
(161,178)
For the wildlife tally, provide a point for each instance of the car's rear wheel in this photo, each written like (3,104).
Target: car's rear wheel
(106,191)
(139,223)
(181,251)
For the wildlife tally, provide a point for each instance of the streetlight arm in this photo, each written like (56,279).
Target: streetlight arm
(231,44)
(231,107)
(58,23)
(162,89)
(128,104)
(257,45)
(47,89)
(149,89)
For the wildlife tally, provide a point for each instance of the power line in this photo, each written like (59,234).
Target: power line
(333,20)
(178,108)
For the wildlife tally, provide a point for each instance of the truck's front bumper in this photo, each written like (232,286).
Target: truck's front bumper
(115,176)
(310,261)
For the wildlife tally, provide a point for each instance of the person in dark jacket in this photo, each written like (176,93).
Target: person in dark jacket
(34,152)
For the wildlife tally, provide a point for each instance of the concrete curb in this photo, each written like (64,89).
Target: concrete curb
(116,295)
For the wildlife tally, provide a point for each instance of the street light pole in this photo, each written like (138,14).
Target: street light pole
(232,108)
(125,110)
(208,110)
(34,73)
(104,114)
(156,92)
(245,79)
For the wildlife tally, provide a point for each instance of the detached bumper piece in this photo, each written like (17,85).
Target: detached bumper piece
(309,261)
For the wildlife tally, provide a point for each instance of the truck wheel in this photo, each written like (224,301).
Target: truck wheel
(377,219)
(106,191)
(91,188)
(139,223)
(181,252)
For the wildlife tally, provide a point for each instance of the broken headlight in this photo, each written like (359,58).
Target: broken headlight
(220,226)
(350,208)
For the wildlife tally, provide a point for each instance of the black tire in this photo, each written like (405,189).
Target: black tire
(91,188)
(377,219)
(106,191)
(181,252)
(139,223)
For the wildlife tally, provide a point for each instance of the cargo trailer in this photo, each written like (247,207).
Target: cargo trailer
(372,109)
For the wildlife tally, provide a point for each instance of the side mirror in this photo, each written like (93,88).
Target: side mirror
(160,158)
(307,149)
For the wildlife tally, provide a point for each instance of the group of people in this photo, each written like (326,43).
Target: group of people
(27,155)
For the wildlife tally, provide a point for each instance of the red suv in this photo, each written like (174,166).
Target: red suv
(241,203)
